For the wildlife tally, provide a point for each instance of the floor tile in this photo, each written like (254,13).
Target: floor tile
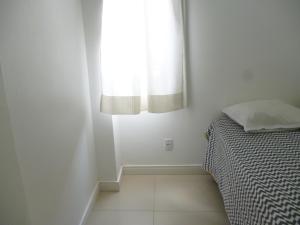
(136,193)
(195,218)
(120,218)
(187,193)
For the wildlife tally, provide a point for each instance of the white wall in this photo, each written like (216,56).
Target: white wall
(107,158)
(13,207)
(238,50)
(42,52)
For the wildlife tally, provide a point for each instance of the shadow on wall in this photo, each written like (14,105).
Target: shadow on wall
(13,207)
(77,174)
(56,157)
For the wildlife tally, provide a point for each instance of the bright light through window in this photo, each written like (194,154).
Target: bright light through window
(141,48)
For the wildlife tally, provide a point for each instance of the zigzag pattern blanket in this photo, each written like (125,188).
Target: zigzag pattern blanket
(258,174)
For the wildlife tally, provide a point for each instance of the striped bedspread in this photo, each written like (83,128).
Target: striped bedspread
(258,174)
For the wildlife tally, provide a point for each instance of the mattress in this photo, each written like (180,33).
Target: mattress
(258,174)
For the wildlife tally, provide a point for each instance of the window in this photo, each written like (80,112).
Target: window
(142,56)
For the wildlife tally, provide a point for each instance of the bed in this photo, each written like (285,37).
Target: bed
(258,174)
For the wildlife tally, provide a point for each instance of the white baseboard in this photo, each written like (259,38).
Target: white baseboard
(114,185)
(90,205)
(111,185)
(192,169)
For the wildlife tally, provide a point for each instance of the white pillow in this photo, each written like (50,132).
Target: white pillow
(264,115)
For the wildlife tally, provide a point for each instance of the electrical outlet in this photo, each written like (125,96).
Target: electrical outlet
(168,144)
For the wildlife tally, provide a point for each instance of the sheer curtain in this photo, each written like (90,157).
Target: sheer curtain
(142,56)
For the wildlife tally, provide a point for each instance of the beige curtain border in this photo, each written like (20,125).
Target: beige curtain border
(118,105)
(165,103)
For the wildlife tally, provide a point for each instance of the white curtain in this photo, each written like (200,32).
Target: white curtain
(142,56)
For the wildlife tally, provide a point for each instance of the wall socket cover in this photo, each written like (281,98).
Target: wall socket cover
(168,144)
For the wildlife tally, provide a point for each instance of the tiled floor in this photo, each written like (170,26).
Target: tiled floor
(161,200)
